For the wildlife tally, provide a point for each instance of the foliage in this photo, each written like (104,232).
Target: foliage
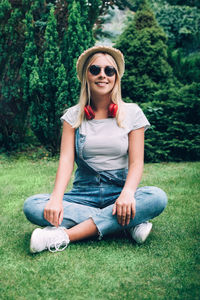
(53,84)
(77,38)
(186,68)
(184,2)
(23,42)
(144,46)
(48,89)
(181,24)
(172,109)
(175,131)
(13,109)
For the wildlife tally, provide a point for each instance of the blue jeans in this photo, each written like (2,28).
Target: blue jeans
(93,196)
(96,202)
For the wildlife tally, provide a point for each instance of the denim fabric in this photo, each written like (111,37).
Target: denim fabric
(150,202)
(93,195)
(116,177)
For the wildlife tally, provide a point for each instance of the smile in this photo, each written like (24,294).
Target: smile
(101,83)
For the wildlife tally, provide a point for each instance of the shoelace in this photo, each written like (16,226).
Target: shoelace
(57,246)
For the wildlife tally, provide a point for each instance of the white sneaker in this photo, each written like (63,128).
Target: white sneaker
(141,232)
(49,238)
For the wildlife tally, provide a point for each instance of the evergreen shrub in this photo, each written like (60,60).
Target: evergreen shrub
(172,109)
(174,134)
(144,46)
(13,108)
(40,42)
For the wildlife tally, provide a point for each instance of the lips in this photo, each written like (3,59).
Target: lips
(99,83)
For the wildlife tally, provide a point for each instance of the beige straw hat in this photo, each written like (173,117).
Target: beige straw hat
(115,53)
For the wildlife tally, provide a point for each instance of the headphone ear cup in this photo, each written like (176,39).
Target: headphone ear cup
(89,113)
(112,110)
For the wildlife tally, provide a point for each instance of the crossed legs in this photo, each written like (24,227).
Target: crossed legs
(83,221)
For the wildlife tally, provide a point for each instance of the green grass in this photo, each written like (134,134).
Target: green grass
(165,267)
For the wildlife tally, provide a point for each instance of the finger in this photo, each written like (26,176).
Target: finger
(114,209)
(119,214)
(47,214)
(123,217)
(60,217)
(51,216)
(128,214)
(55,218)
(133,210)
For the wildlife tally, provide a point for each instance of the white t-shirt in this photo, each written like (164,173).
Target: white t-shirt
(106,144)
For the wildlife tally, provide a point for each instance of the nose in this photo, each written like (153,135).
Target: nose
(102,73)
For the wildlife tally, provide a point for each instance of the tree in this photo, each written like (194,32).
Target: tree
(185,2)
(174,134)
(181,24)
(13,108)
(173,109)
(48,90)
(18,53)
(144,46)
(77,38)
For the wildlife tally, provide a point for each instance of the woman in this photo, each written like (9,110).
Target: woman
(108,137)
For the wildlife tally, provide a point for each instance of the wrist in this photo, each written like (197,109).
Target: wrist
(56,198)
(129,190)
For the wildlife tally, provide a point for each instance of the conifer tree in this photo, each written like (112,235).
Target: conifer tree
(29,56)
(172,109)
(78,37)
(48,89)
(144,46)
(13,109)
(23,62)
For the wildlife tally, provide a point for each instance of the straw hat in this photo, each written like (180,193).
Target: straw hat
(115,53)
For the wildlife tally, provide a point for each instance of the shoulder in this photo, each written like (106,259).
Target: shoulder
(131,108)
(134,117)
(73,109)
(71,114)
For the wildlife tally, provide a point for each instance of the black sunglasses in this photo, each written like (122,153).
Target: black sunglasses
(108,70)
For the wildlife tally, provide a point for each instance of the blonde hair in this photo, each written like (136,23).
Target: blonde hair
(84,98)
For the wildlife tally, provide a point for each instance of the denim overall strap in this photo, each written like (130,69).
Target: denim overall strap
(114,176)
(79,144)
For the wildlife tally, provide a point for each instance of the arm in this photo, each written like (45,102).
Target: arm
(125,204)
(53,211)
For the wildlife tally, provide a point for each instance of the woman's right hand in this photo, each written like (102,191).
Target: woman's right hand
(53,212)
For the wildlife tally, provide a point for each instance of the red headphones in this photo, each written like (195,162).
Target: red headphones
(112,111)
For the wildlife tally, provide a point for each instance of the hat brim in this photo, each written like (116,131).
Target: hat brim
(115,53)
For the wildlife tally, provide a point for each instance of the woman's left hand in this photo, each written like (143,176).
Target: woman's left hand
(124,207)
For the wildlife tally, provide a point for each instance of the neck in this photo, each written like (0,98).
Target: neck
(100,102)
(100,105)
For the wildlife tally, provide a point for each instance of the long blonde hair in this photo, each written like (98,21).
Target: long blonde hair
(84,98)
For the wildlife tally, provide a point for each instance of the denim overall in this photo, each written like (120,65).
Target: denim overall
(93,195)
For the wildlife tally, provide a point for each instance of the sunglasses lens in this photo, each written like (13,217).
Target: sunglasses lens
(110,71)
(94,70)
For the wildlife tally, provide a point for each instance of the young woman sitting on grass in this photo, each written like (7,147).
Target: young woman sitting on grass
(105,136)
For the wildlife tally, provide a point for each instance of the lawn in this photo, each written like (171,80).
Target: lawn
(165,267)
